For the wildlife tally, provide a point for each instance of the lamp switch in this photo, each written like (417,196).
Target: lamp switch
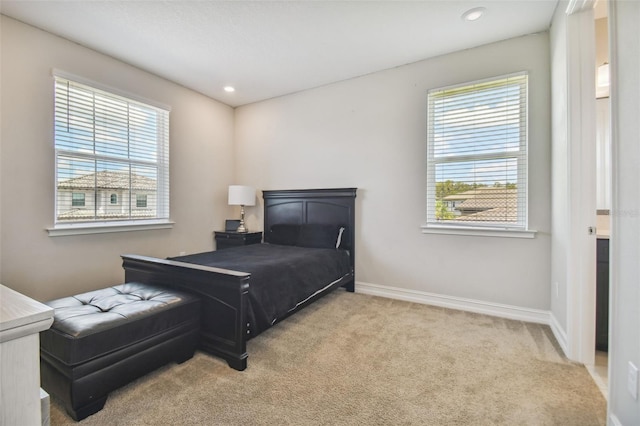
(632,380)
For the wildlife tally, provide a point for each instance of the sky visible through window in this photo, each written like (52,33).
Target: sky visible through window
(106,127)
(477,123)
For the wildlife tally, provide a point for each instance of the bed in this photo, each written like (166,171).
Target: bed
(308,251)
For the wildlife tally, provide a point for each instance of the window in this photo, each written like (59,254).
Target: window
(141,201)
(477,154)
(77,199)
(108,144)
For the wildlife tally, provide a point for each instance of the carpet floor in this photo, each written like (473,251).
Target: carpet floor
(354,359)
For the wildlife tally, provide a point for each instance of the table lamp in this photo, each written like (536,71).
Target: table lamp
(240,195)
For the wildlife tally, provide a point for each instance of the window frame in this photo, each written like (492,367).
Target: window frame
(95,225)
(500,229)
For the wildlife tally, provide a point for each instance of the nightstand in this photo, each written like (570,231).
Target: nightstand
(227,239)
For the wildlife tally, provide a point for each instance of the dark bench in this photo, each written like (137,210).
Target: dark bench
(101,340)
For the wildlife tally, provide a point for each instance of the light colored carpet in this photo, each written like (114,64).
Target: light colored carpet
(353,359)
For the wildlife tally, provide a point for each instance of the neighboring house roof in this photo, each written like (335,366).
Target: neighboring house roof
(489,198)
(79,214)
(108,179)
(487,204)
(457,197)
(498,214)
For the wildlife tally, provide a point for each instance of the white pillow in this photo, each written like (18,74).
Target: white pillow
(339,237)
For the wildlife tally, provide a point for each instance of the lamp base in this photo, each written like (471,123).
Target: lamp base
(241,227)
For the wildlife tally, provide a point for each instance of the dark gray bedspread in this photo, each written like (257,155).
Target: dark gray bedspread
(281,276)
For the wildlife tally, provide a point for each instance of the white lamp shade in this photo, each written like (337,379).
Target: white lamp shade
(240,195)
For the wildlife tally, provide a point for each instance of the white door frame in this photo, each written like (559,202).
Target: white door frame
(581,256)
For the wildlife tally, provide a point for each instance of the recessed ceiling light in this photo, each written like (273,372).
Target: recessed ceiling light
(229,89)
(473,14)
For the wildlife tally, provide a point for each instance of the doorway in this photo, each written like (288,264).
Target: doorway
(599,370)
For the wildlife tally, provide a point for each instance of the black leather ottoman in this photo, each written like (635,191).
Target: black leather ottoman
(104,339)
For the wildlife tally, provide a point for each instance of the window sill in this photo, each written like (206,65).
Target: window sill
(106,227)
(477,232)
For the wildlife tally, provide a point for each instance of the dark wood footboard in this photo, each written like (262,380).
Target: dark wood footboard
(225,293)
(224,296)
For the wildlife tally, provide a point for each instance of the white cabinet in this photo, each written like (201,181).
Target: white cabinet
(21,321)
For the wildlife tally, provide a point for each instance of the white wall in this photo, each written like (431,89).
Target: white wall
(625,233)
(202,134)
(559,170)
(370,133)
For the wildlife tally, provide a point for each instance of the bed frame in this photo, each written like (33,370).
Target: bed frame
(224,293)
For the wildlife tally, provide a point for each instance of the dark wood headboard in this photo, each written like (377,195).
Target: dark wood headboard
(321,206)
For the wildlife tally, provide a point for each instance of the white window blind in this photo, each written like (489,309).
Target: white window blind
(112,151)
(477,154)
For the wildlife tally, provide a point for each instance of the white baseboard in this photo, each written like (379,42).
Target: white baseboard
(559,333)
(614,420)
(451,302)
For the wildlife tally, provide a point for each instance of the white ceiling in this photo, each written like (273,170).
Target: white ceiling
(267,49)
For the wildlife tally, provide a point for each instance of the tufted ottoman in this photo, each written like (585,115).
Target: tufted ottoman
(104,339)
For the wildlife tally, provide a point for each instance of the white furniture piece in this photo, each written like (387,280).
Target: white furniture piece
(21,321)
